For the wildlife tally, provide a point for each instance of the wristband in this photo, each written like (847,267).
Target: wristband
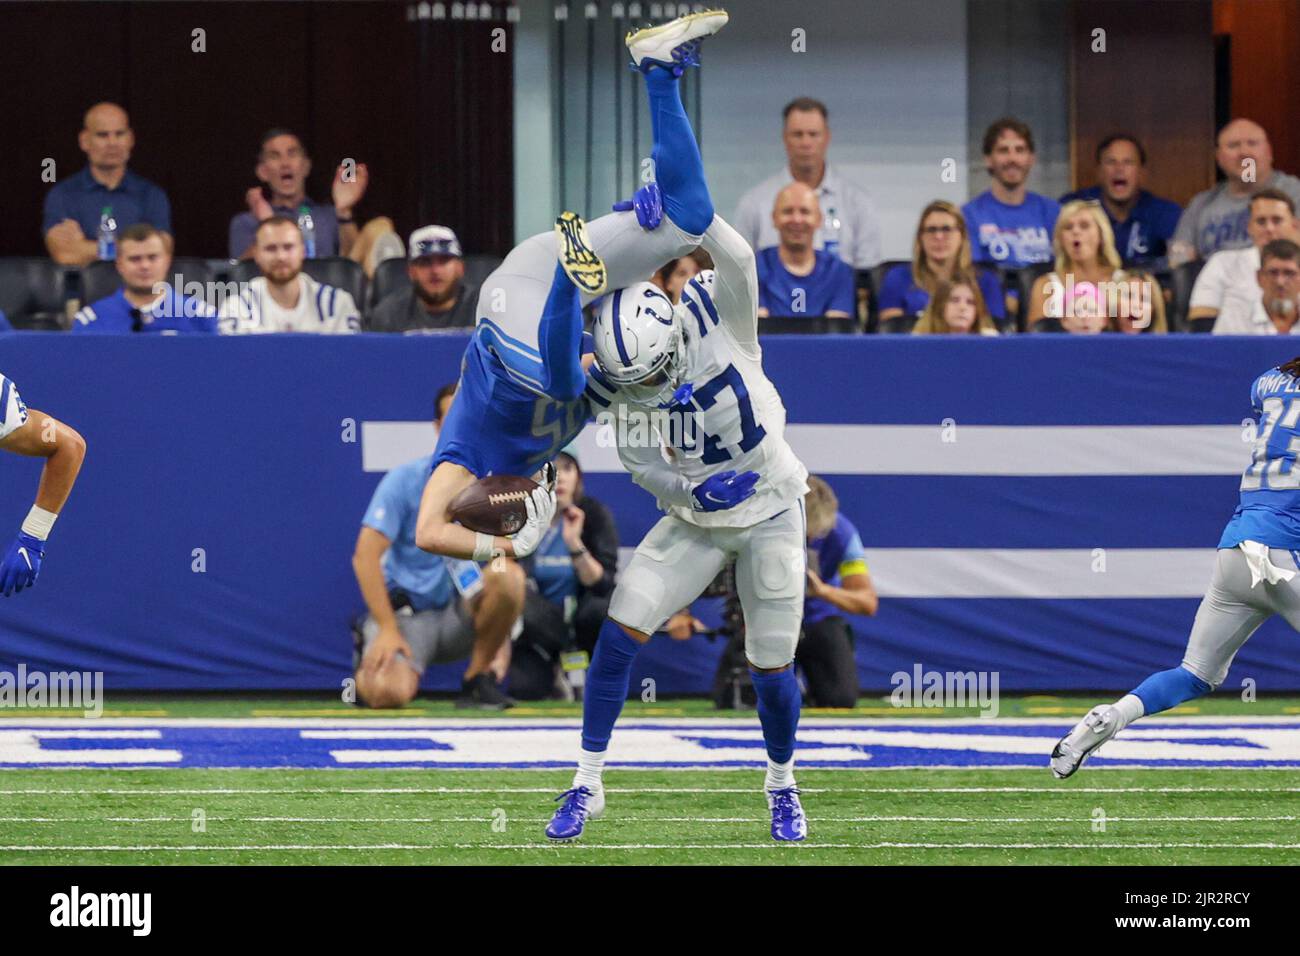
(39,522)
(484,546)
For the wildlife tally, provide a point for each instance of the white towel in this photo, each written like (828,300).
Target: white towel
(1261,568)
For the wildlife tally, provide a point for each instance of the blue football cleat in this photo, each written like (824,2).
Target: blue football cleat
(580,804)
(788,821)
(674,45)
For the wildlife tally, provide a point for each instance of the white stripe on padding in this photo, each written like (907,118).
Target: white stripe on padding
(1034,572)
(935,450)
(1021,449)
(1041,572)
(385,445)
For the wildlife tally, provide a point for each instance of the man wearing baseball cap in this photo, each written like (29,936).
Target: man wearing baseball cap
(437,297)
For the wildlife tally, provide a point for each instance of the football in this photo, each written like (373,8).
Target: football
(493,505)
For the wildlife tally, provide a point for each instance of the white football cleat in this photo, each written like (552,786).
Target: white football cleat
(675,45)
(1098,726)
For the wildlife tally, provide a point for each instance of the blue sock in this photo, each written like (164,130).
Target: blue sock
(559,339)
(778,711)
(607,677)
(679,170)
(1169,688)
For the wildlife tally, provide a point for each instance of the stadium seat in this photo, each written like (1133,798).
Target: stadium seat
(869,280)
(898,325)
(478,268)
(389,277)
(100,279)
(338,271)
(32,292)
(1182,280)
(807,325)
(1023,280)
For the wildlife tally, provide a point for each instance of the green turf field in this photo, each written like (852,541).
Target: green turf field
(654,817)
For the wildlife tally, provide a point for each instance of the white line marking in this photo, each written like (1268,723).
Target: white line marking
(817,818)
(1062,790)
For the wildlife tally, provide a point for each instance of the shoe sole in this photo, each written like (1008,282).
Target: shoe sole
(584,268)
(663,30)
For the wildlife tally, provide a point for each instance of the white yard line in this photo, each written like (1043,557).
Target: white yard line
(570,847)
(621,819)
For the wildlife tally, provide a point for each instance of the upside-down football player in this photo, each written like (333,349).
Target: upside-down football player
(521,396)
(27,431)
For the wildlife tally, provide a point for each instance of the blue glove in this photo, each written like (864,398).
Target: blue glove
(648,202)
(724,490)
(22,563)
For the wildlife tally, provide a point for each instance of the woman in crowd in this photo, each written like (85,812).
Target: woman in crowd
(956,308)
(941,249)
(1088,290)
(570,580)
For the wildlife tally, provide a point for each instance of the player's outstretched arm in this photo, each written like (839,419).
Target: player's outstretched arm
(41,436)
(437,533)
(735,287)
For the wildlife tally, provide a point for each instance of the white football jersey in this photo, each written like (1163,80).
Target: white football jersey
(13,413)
(734,420)
(321,308)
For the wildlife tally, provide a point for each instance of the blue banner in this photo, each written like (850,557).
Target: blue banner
(1044,507)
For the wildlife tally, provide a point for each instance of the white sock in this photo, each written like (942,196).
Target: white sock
(779,775)
(590,768)
(1129,708)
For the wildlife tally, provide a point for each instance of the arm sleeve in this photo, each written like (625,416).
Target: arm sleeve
(1207,292)
(158,210)
(387,508)
(601,538)
(649,470)
(55,211)
(1186,230)
(843,295)
(747,221)
(344,316)
(735,281)
(893,288)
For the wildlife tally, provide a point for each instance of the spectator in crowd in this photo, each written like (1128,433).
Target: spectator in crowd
(1011,225)
(283,166)
(956,308)
(1088,290)
(1226,288)
(105,192)
(1216,218)
(1143,223)
(672,278)
(794,277)
(145,302)
(838,584)
(941,249)
(570,580)
(424,608)
(437,297)
(1276,310)
(284,298)
(850,228)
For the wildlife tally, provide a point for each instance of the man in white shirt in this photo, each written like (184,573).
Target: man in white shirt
(1226,288)
(850,227)
(1277,309)
(284,298)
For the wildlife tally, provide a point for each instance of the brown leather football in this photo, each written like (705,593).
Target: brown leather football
(493,505)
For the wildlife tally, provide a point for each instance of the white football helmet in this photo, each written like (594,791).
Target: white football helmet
(639,345)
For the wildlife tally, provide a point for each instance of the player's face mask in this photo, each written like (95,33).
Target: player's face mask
(657,388)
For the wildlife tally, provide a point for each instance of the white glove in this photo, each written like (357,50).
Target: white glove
(540,505)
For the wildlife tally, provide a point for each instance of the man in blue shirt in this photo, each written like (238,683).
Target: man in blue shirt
(145,302)
(1143,223)
(419,614)
(74,207)
(794,279)
(283,166)
(838,584)
(1009,225)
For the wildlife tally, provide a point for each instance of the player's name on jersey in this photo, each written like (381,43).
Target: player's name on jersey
(1277,381)
(648,428)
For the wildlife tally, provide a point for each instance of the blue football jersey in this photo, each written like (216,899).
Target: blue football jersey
(498,427)
(1270,486)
